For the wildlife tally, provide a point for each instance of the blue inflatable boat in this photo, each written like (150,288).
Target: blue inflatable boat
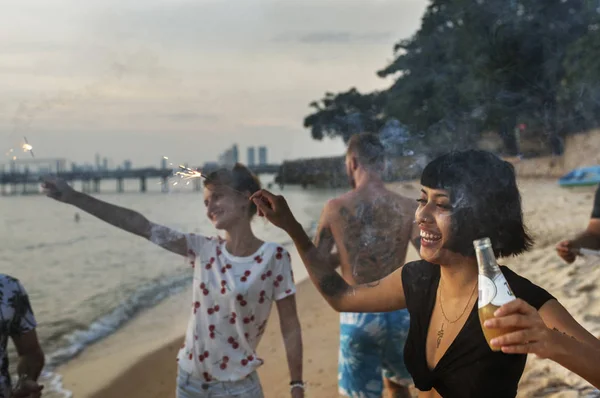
(581,177)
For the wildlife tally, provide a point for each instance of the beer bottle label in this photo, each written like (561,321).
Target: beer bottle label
(495,292)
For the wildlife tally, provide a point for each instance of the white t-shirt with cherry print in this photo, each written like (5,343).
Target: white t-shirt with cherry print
(232,298)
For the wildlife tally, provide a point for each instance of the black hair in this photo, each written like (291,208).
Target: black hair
(485,201)
(239,178)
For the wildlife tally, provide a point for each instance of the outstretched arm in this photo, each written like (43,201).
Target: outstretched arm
(550,333)
(384,295)
(120,217)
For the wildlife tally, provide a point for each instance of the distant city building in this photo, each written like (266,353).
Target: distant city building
(262,155)
(230,156)
(127,165)
(105,164)
(251,156)
(163,163)
(97,161)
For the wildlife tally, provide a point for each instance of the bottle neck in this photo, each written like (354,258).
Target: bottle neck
(486,261)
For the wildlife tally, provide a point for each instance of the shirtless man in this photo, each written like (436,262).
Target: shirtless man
(589,239)
(370,226)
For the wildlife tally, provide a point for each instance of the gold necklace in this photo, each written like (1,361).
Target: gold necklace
(440,333)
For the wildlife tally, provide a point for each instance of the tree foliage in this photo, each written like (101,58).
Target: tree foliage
(482,65)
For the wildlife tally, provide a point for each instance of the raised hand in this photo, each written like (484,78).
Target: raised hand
(564,251)
(532,335)
(274,208)
(57,188)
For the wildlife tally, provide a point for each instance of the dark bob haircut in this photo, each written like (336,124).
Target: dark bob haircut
(239,178)
(485,201)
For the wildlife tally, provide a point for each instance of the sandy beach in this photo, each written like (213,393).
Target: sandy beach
(139,360)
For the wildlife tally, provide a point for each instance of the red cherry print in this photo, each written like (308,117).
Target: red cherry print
(243,303)
(261,300)
(202,286)
(288,291)
(269,273)
(252,318)
(193,264)
(190,356)
(218,251)
(235,346)
(263,277)
(279,249)
(206,376)
(223,283)
(208,266)
(262,293)
(278,256)
(223,291)
(247,273)
(217,308)
(211,328)
(192,253)
(244,362)
(246,335)
(212,260)
(230,340)
(210,311)
(225,359)
(239,297)
(201,358)
(251,358)
(228,266)
(276,284)
(232,321)
(223,366)
(243,279)
(205,354)
(205,291)
(279,278)
(223,270)
(246,320)
(212,335)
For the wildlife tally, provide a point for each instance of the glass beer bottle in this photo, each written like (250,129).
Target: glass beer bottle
(494,290)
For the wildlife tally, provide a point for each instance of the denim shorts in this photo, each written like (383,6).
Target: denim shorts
(189,386)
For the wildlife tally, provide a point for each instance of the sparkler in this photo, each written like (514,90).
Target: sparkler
(185,173)
(27,148)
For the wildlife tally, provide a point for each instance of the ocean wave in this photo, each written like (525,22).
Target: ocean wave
(145,297)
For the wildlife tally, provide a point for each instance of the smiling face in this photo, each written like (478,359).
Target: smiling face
(435,222)
(225,207)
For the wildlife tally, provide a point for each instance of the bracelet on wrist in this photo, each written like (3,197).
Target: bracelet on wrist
(297,384)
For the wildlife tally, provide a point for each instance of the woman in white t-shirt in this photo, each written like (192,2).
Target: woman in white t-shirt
(236,280)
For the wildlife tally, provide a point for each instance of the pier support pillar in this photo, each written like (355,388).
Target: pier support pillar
(96,185)
(164,186)
(119,185)
(142,184)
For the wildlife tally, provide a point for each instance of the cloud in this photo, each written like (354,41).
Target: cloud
(190,116)
(338,37)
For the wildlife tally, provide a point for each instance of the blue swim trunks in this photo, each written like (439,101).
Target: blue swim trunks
(372,347)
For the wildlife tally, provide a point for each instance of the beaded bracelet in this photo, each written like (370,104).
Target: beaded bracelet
(296,384)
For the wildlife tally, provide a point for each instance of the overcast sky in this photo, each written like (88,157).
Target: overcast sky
(142,79)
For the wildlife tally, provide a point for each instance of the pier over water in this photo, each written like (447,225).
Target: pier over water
(23,176)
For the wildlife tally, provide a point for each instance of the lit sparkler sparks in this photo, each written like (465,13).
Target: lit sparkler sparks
(185,173)
(27,148)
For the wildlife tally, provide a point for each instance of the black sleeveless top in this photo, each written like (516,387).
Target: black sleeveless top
(469,368)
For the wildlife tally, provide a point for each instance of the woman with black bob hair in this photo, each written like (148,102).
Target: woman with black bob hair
(465,195)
